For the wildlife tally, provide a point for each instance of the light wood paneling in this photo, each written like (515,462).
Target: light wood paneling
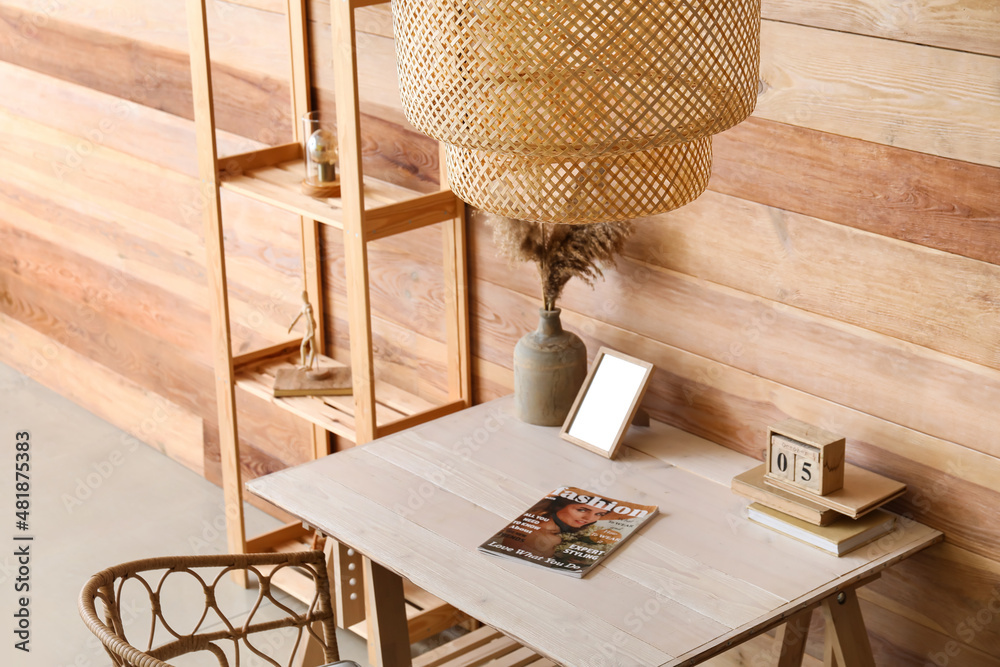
(119,269)
(898,641)
(157,74)
(33,213)
(924,199)
(378,86)
(123,296)
(921,98)
(415,362)
(241,36)
(407,284)
(850,365)
(120,346)
(148,418)
(375,19)
(136,239)
(274,6)
(102,119)
(935,299)
(134,71)
(963,25)
(40,152)
(949,590)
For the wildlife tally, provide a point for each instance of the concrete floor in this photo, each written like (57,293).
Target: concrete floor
(98,497)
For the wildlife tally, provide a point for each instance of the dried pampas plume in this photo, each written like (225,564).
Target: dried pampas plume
(560,251)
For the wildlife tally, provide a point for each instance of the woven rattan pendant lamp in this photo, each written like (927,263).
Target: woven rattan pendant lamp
(580,110)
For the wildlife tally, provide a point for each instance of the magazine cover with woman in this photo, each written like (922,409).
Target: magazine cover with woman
(570,530)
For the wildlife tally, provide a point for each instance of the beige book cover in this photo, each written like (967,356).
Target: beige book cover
(840,537)
(863,491)
(751,485)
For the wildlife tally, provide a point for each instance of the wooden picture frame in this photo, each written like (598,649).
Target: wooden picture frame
(607,402)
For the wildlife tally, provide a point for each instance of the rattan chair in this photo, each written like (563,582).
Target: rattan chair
(271,633)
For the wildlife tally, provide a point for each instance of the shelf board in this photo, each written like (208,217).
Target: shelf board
(333,413)
(389,209)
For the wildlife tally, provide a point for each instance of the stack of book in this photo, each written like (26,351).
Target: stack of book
(838,522)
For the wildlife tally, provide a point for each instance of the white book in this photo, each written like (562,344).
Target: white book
(840,537)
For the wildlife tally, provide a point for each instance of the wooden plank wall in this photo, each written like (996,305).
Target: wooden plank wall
(844,267)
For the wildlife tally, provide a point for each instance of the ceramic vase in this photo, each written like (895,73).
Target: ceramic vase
(550,365)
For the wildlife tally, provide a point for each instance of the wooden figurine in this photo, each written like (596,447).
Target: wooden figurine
(307,351)
(802,457)
(308,378)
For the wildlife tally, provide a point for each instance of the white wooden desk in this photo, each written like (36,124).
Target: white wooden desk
(697,580)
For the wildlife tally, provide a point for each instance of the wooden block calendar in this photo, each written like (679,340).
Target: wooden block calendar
(802,457)
(808,461)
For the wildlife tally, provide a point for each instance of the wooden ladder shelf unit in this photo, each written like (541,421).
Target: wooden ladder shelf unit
(368,209)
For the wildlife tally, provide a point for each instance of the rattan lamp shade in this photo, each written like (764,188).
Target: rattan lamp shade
(592,76)
(602,188)
(577,110)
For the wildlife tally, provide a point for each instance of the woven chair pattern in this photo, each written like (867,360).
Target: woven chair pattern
(153,573)
(561,79)
(579,191)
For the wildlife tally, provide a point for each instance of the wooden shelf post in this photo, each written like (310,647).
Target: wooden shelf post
(345,69)
(456,299)
(312,264)
(204,113)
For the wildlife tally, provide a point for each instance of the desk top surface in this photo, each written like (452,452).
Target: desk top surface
(698,577)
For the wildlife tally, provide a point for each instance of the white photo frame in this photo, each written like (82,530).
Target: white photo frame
(607,402)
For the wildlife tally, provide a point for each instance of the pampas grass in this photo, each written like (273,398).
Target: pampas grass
(561,252)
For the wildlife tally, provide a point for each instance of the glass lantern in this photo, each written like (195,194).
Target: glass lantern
(319,144)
